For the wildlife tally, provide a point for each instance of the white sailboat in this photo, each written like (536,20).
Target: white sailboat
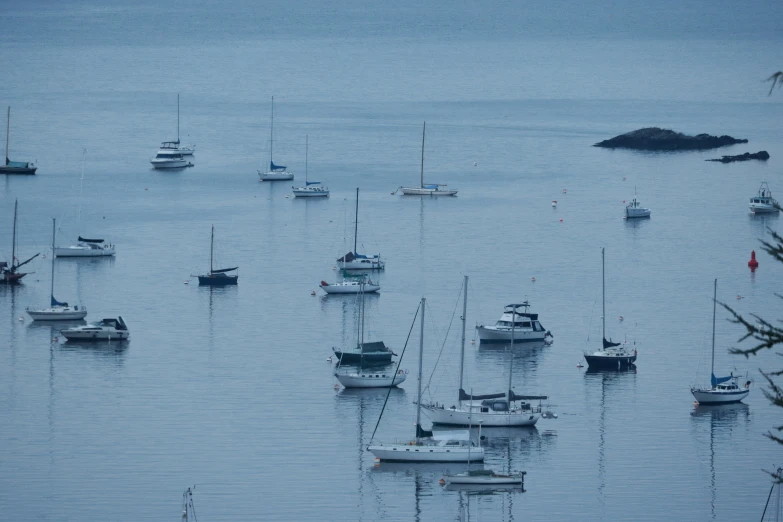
(275,172)
(85,247)
(427,446)
(354,260)
(361,377)
(496,409)
(430,189)
(176,146)
(722,390)
(14,167)
(312,189)
(57,311)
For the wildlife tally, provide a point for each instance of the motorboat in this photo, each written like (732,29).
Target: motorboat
(311,189)
(57,311)
(167,159)
(9,271)
(612,356)
(14,167)
(217,277)
(275,172)
(429,446)
(483,477)
(86,248)
(350,287)
(722,390)
(489,410)
(176,145)
(103,330)
(634,210)
(354,260)
(351,377)
(426,189)
(524,326)
(763,202)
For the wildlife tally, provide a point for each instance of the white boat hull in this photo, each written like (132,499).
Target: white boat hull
(420,191)
(426,453)
(362,264)
(275,176)
(458,417)
(632,213)
(349,289)
(370,380)
(492,334)
(502,480)
(707,396)
(759,208)
(58,313)
(72,335)
(169,164)
(80,251)
(310,193)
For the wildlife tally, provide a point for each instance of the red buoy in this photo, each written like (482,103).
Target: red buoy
(753,264)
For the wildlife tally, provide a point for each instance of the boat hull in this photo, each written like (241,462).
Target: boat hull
(603,362)
(426,453)
(170,164)
(76,335)
(78,251)
(707,396)
(370,358)
(218,281)
(418,191)
(495,480)
(11,279)
(58,313)
(17,170)
(489,334)
(455,417)
(310,193)
(370,379)
(349,289)
(758,208)
(635,213)
(275,176)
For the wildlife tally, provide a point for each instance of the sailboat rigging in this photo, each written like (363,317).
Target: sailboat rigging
(354,260)
(217,277)
(275,172)
(176,146)
(9,273)
(14,167)
(312,189)
(430,189)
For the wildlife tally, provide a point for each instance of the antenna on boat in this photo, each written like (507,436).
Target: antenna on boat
(177,119)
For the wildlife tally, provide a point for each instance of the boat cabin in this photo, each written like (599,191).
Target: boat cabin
(166,155)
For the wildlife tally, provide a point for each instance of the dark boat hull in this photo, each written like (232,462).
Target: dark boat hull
(17,170)
(222,280)
(11,279)
(600,362)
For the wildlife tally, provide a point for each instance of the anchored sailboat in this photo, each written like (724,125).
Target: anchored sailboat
(430,189)
(312,189)
(57,311)
(354,260)
(275,172)
(9,274)
(218,277)
(176,146)
(15,167)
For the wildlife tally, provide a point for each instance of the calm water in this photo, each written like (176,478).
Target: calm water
(230,389)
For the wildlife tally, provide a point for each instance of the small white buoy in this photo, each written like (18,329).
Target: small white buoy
(336,387)
(472,341)
(620,318)
(475,163)
(21,318)
(187,282)
(55,339)
(554,202)
(334,268)
(579,365)
(329,359)
(740,297)
(564,191)
(287,196)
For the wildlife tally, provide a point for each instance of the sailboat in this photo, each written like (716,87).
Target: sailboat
(57,311)
(354,260)
(275,172)
(85,247)
(613,356)
(176,146)
(218,277)
(431,189)
(496,409)
(14,167)
(361,377)
(9,274)
(445,446)
(312,189)
(722,390)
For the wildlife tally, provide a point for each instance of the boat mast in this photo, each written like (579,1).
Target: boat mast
(81,187)
(511,352)
(13,237)
(272,133)
(422,153)
(211,248)
(356,222)
(7,133)
(462,350)
(421,355)
(177,118)
(54,232)
(603,297)
(306,141)
(714,305)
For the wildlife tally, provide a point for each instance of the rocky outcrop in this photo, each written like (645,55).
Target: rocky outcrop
(762,155)
(655,138)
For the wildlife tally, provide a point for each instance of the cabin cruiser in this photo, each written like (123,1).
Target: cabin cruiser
(86,248)
(763,202)
(521,326)
(103,330)
(176,146)
(634,209)
(167,159)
